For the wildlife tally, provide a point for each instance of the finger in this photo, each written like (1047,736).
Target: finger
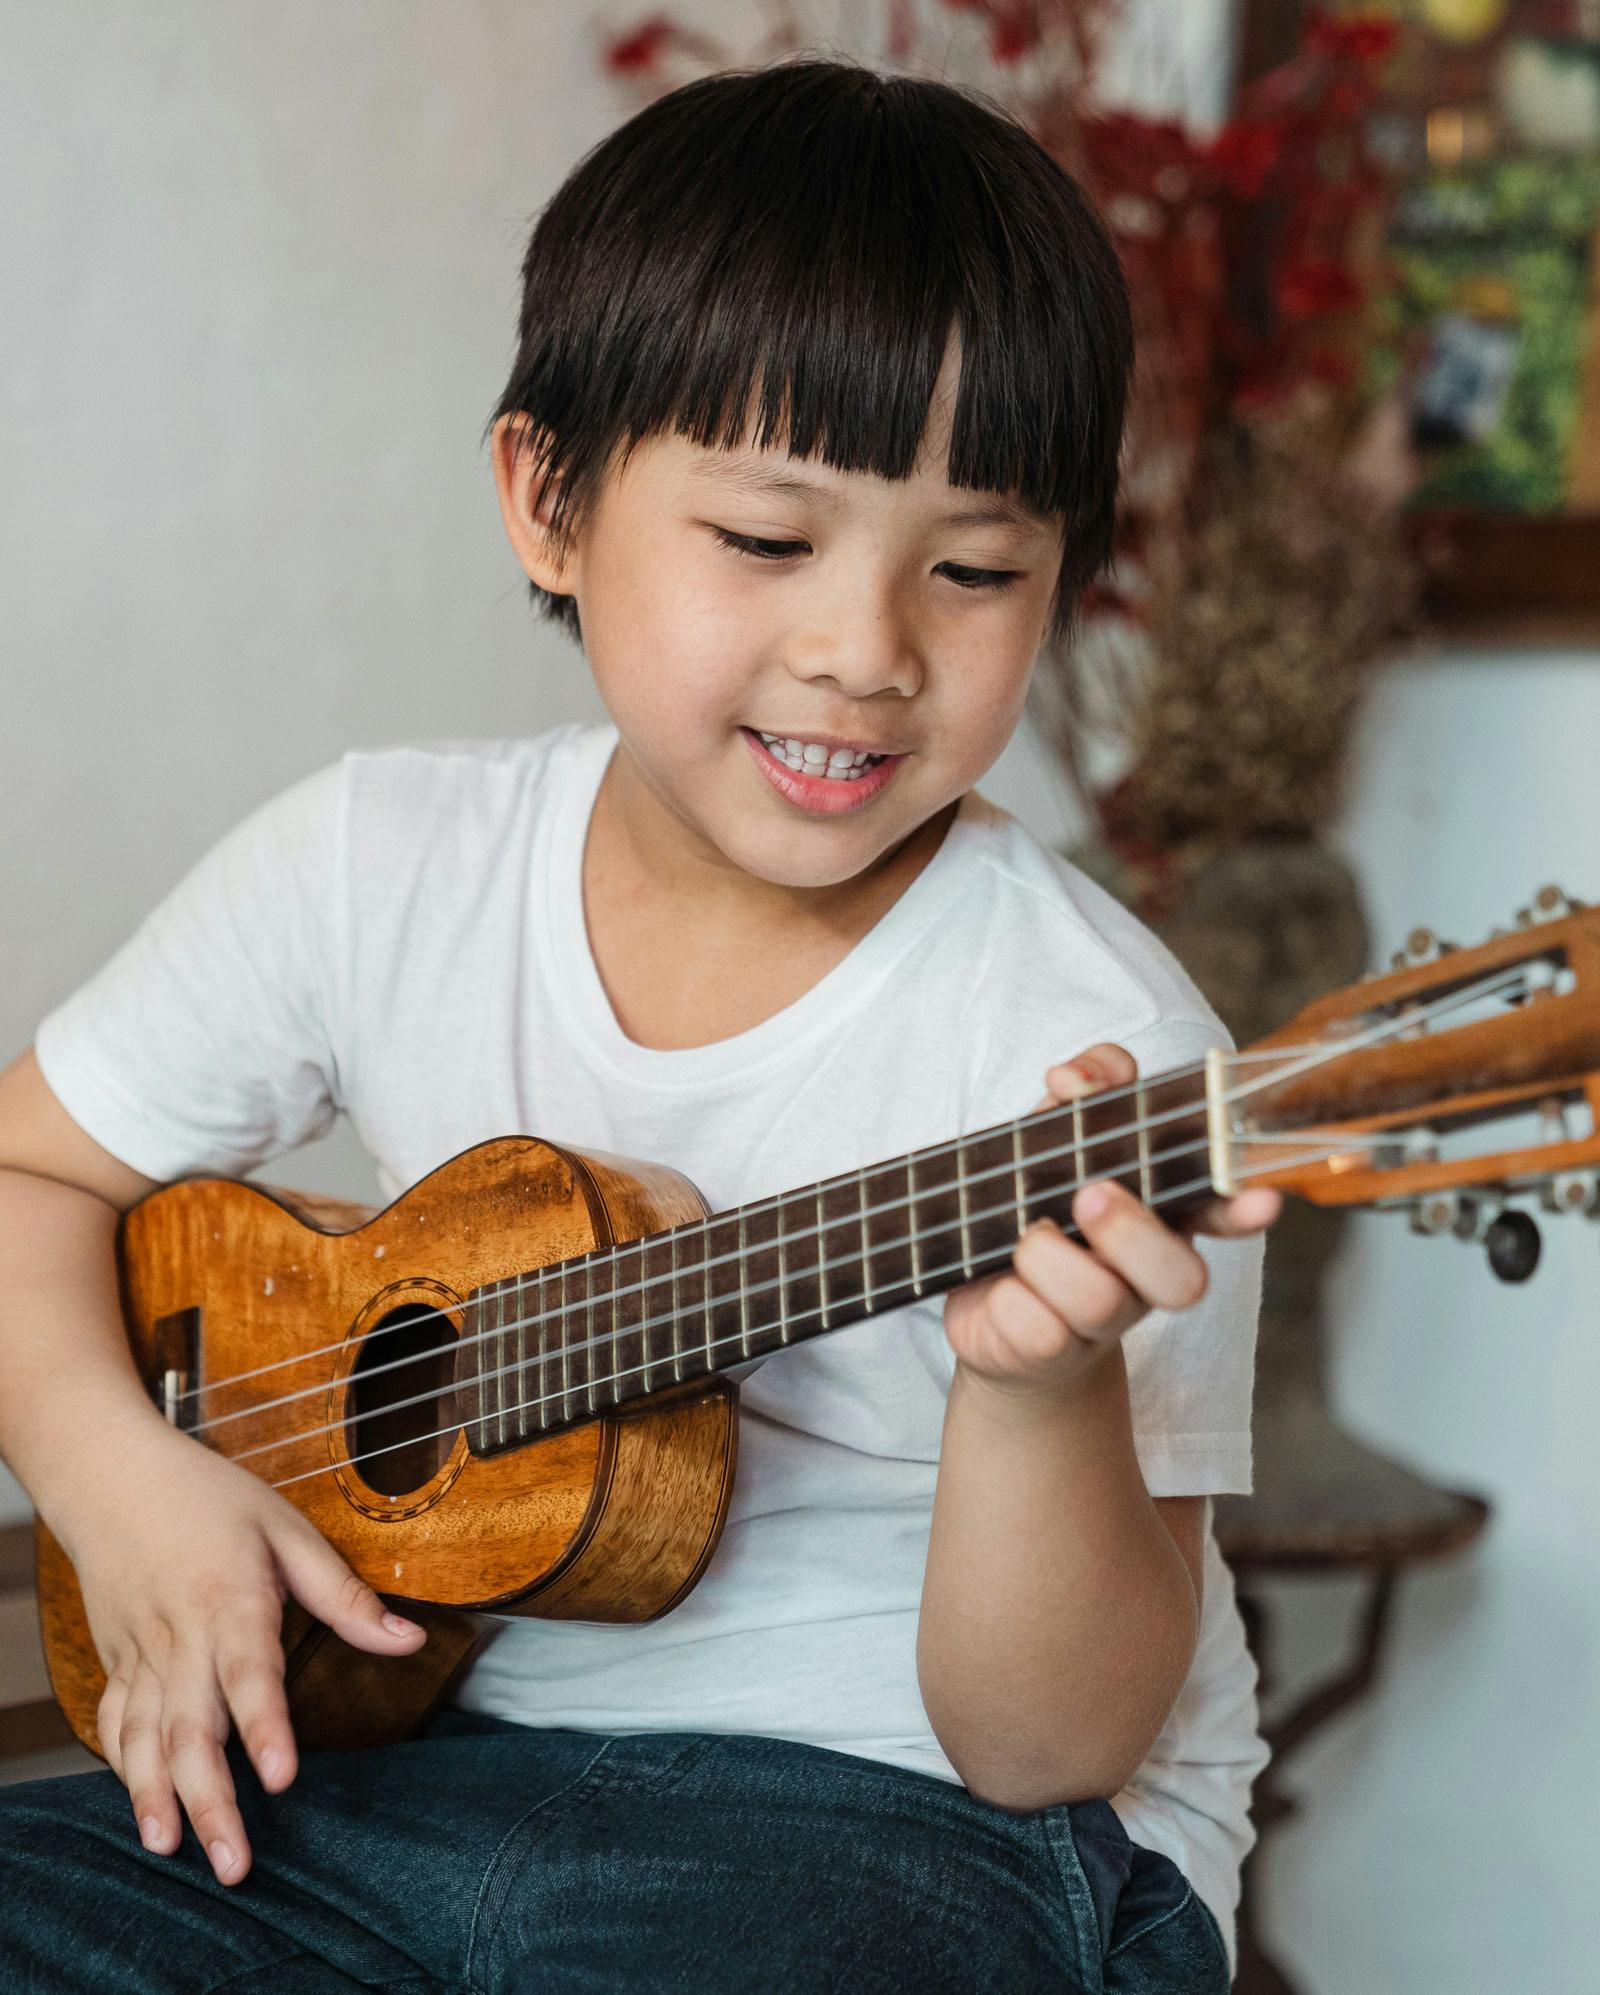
(1103,1065)
(1070,1285)
(1156,1263)
(144,1765)
(1235,1218)
(325,1586)
(250,1670)
(108,1721)
(194,1729)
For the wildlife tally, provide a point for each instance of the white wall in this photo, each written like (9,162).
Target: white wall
(261,279)
(260,264)
(1451,1837)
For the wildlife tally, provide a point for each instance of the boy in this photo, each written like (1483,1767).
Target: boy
(811,435)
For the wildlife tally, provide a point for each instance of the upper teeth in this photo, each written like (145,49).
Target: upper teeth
(813,756)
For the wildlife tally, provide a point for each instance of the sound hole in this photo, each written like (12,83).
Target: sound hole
(398,1446)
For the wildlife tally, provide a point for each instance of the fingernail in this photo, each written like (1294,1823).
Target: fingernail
(222,1857)
(397,1624)
(150,1832)
(1092,1201)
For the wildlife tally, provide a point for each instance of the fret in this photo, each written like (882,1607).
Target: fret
(653,1320)
(1142,1130)
(822,1262)
(1080,1161)
(521,1372)
(706,1290)
(588,1331)
(961,1201)
(762,1264)
(912,1228)
(628,1359)
(841,1272)
(566,1353)
(890,1248)
(727,1322)
(866,1251)
(744,1300)
(542,1389)
(677,1320)
(486,1365)
(690,1290)
(783,1278)
(1016,1178)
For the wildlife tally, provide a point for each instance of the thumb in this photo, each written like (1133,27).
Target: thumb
(325,1586)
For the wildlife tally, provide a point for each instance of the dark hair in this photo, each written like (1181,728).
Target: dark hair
(810,231)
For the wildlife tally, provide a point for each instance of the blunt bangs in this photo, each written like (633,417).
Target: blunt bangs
(780,256)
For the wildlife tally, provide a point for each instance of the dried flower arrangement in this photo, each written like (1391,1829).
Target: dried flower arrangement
(1260,566)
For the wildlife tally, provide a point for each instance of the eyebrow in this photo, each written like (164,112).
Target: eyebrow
(760,481)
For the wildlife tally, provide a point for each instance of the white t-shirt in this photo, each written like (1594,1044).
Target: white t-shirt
(400,936)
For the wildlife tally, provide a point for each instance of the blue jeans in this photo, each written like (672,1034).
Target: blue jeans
(483,1856)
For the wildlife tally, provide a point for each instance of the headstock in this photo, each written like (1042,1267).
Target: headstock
(1458,1081)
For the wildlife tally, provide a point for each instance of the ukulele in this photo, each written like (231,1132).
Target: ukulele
(505,1392)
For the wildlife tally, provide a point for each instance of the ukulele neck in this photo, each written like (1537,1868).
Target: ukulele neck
(560,1344)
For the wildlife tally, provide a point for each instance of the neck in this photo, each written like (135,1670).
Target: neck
(560,1344)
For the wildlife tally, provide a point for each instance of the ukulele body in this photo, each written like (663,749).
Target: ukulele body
(611,1520)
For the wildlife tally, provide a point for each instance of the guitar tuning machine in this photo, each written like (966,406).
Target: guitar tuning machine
(1510,1238)
(1548,904)
(1422,946)
(1572,1191)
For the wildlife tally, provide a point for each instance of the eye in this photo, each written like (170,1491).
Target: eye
(780,550)
(759,550)
(980,578)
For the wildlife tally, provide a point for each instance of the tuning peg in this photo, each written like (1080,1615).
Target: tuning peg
(1513,1244)
(1572,1191)
(1548,904)
(1422,946)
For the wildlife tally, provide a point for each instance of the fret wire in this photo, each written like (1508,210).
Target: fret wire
(911,1206)
(566,1353)
(705,1294)
(497,1424)
(783,1280)
(544,1382)
(822,1261)
(866,1246)
(522,1351)
(616,1384)
(677,1326)
(961,1202)
(506,1406)
(744,1300)
(1078,1145)
(1144,1141)
(1016,1178)
(588,1308)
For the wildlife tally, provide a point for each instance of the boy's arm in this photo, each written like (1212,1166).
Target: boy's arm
(1060,1604)
(184,1558)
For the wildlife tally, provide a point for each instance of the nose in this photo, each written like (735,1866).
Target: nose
(862,642)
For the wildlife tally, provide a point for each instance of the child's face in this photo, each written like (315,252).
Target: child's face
(859,633)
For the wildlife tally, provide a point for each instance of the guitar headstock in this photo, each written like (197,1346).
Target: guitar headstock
(1454,1083)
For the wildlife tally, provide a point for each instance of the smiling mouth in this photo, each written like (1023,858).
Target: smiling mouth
(810,758)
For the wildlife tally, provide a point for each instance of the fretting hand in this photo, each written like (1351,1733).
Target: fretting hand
(1061,1306)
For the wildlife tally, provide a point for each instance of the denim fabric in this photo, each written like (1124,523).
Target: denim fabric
(484,1856)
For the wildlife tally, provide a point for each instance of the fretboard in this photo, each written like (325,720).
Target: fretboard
(556,1345)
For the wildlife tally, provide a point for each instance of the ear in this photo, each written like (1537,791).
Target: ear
(526,504)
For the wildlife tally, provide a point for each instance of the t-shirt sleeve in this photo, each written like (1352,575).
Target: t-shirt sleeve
(207,1042)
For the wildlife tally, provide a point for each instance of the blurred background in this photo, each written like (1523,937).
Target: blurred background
(261,267)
